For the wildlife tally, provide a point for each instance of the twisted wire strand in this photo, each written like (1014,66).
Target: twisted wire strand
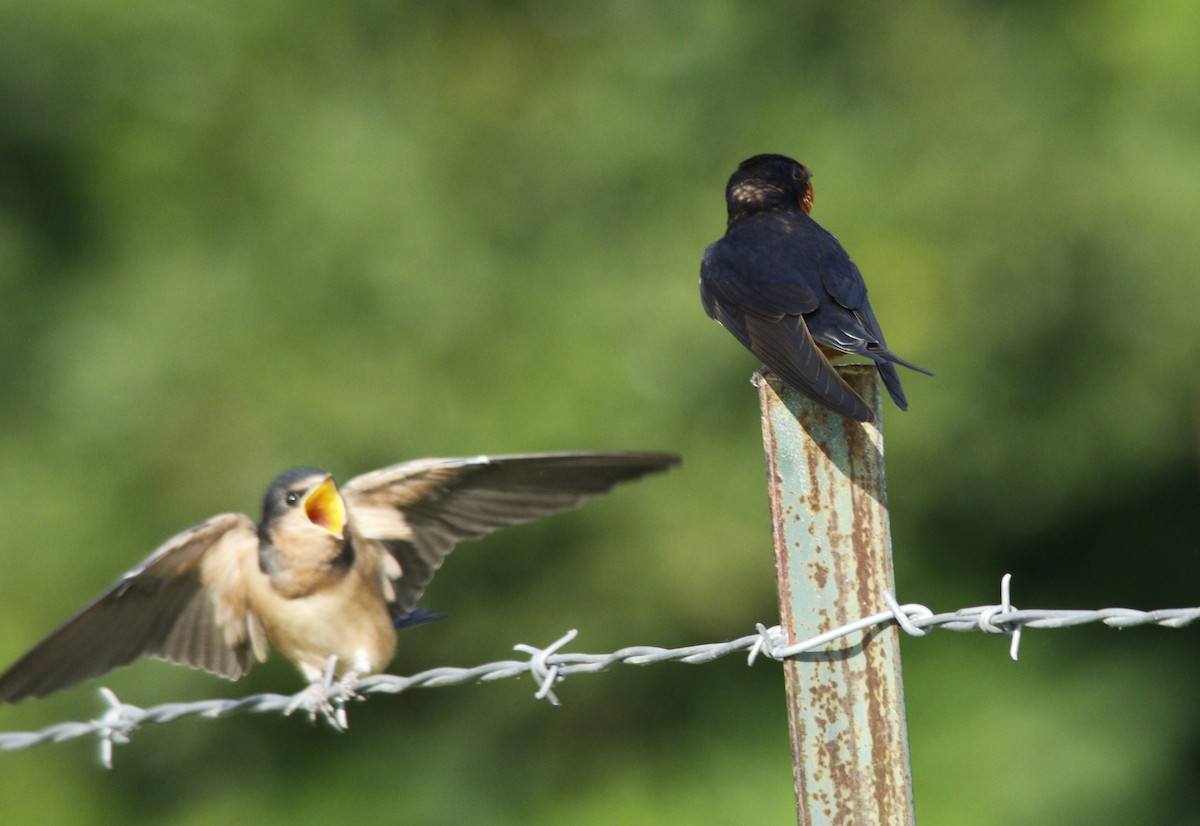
(549,666)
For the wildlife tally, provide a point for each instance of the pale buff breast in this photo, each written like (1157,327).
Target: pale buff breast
(348,618)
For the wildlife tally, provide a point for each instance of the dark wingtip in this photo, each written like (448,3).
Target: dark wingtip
(846,402)
(859,412)
(863,416)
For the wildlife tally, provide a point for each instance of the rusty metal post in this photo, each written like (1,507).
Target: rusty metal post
(833,559)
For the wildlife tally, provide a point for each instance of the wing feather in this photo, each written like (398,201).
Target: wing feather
(416,512)
(165,608)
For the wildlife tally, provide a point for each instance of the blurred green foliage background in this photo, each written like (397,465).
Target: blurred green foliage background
(239,237)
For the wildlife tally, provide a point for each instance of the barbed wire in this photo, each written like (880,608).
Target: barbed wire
(549,666)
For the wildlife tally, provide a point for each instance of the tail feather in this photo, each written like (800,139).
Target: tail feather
(890,356)
(891,380)
(418,616)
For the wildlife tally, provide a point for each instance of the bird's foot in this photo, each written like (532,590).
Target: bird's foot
(344,692)
(327,697)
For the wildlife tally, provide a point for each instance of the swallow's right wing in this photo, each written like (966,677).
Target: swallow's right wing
(185,603)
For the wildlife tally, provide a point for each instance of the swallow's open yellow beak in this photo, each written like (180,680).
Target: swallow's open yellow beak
(324,508)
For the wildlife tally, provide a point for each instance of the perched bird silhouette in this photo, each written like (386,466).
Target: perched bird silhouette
(325,573)
(788,291)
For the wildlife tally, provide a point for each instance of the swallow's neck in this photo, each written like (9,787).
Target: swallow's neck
(298,566)
(748,198)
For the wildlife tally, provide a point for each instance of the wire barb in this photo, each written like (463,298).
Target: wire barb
(115,726)
(906,614)
(1003,609)
(539,666)
(767,644)
(550,665)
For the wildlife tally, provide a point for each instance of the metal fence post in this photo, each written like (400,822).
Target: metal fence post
(833,559)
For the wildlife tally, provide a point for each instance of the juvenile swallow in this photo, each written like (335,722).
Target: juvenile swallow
(325,572)
(788,291)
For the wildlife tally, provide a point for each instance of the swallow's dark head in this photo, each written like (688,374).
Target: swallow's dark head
(768,182)
(302,498)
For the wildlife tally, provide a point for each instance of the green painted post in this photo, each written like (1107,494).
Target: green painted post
(833,559)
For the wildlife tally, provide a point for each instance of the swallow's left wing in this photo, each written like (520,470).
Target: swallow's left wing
(410,516)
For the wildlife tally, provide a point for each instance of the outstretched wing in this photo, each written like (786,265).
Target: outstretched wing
(184,603)
(410,516)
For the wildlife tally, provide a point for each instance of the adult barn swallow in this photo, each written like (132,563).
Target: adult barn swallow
(324,573)
(788,291)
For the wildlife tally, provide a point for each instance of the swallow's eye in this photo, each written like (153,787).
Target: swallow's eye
(292,497)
